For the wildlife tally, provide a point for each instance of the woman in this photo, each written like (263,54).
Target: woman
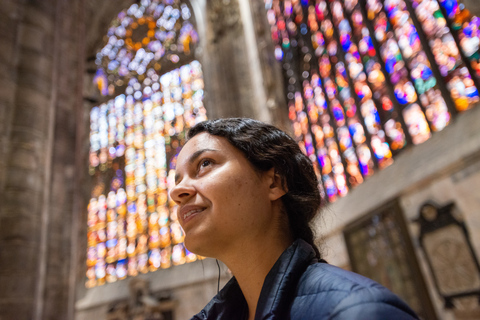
(246,195)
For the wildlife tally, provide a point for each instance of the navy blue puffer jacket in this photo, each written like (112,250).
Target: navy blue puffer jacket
(300,288)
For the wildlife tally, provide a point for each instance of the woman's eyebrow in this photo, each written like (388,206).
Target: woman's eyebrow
(192,159)
(197,154)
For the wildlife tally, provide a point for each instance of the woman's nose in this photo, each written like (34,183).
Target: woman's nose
(181,192)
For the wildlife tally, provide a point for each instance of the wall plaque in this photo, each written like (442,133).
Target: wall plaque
(450,256)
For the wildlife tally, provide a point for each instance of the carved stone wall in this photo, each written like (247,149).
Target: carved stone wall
(459,185)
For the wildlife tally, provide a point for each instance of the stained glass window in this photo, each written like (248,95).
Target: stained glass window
(154,34)
(379,247)
(466,27)
(135,137)
(366,78)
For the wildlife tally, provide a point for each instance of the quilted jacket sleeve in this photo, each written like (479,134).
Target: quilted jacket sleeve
(373,311)
(372,304)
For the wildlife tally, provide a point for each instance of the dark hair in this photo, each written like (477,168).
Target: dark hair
(266,147)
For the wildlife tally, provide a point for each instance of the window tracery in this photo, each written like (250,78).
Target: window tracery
(147,66)
(366,78)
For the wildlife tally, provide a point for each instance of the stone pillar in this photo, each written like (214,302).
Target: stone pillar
(69,168)
(237,79)
(270,69)
(473,6)
(223,61)
(22,202)
(11,13)
(38,85)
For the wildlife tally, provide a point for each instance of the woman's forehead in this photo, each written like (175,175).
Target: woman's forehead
(200,141)
(203,142)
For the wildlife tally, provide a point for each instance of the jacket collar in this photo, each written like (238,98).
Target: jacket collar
(229,304)
(277,292)
(279,287)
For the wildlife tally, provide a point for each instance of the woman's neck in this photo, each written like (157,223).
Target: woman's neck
(251,265)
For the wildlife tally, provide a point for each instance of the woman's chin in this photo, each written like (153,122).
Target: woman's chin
(194,245)
(201,246)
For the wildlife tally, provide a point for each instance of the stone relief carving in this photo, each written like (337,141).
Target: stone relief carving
(141,305)
(449,253)
(452,263)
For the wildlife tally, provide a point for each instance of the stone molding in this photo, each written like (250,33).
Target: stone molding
(161,280)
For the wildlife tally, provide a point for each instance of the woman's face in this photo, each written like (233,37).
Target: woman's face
(223,202)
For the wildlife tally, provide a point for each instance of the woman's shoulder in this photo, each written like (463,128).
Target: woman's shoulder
(328,292)
(321,277)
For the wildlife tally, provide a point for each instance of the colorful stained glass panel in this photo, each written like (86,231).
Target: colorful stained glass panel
(376,76)
(134,139)
(149,34)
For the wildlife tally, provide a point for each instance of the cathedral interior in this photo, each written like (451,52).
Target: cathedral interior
(96,98)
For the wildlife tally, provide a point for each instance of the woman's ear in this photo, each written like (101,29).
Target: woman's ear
(277,187)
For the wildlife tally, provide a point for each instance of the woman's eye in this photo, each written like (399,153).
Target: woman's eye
(205,163)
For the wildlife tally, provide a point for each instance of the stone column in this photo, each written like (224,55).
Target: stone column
(224,62)
(37,142)
(270,69)
(27,154)
(242,77)
(10,13)
(473,6)
(234,79)
(69,168)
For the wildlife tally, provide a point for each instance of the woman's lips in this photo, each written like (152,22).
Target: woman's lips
(188,212)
